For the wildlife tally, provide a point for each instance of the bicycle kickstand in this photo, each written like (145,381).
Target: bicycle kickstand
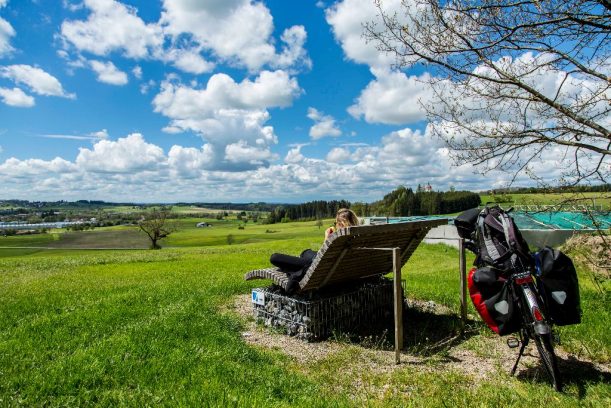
(515,366)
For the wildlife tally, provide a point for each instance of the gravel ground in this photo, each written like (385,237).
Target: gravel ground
(478,357)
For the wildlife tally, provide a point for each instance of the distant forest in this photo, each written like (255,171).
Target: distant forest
(400,202)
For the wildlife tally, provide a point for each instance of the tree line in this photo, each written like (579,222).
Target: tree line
(400,202)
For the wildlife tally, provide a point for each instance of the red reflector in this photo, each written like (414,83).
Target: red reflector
(537,314)
(522,281)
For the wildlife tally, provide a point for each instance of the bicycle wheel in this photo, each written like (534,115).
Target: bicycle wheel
(546,351)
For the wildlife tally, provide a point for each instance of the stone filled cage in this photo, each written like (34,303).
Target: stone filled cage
(359,308)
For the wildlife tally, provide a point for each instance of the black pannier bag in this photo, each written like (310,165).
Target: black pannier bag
(465,223)
(492,298)
(558,286)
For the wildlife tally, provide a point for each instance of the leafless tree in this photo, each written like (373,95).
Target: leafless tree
(156,225)
(515,83)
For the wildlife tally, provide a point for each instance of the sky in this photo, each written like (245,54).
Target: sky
(210,101)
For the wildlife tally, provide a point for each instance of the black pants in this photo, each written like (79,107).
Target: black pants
(294,266)
(289,263)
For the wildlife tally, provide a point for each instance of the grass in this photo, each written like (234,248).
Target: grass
(600,199)
(134,328)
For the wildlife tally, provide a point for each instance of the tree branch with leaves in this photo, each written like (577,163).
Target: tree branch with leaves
(513,82)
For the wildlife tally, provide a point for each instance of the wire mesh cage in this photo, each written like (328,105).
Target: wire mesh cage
(357,308)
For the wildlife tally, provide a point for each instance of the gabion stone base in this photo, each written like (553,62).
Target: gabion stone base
(356,308)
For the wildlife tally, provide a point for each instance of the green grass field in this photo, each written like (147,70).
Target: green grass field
(588,199)
(155,328)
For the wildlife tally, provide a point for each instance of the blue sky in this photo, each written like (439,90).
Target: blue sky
(218,100)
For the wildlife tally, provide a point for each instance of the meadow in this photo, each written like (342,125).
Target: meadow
(159,328)
(588,199)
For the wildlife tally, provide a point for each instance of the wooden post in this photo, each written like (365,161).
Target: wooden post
(398,295)
(463,282)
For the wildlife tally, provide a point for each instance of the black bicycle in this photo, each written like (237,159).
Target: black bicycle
(535,326)
(514,302)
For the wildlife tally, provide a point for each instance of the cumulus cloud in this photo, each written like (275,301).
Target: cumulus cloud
(338,155)
(230,116)
(236,31)
(132,169)
(188,60)
(126,155)
(108,73)
(16,168)
(294,154)
(6,32)
(188,35)
(346,19)
(324,125)
(393,98)
(39,81)
(16,97)
(112,26)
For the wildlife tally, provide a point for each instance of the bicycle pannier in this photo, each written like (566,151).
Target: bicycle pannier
(489,291)
(558,286)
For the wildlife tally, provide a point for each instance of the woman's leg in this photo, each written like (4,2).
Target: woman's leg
(288,263)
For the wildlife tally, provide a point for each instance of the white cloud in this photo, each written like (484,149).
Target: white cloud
(93,136)
(108,73)
(226,113)
(393,98)
(112,26)
(16,97)
(147,86)
(294,155)
(324,125)
(241,152)
(13,167)
(6,32)
(338,155)
(137,72)
(135,170)
(238,32)
(188,61)
(347,18)
(126,155)
(39,81)
(190,162)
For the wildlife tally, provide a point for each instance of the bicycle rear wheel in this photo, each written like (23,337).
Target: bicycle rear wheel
(548,357)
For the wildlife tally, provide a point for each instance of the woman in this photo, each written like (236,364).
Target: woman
(295,266)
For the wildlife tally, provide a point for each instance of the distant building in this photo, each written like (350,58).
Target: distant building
(203,224)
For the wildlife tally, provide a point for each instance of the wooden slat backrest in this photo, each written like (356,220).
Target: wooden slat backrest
(348,254)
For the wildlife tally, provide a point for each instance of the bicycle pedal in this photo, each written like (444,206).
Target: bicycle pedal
(513,342)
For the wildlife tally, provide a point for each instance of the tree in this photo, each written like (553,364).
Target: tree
(513,83)
(156,225)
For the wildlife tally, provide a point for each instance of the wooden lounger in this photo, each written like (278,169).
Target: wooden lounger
(354,253)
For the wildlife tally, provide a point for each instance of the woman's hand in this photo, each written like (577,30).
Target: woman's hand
(329,231)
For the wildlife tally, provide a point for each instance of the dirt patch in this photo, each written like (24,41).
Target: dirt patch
(475,355)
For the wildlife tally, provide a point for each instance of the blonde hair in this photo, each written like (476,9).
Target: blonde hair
(346,218)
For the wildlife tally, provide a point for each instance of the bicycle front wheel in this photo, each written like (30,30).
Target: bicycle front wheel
(548,357)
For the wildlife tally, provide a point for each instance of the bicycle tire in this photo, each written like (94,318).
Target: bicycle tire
(548,357)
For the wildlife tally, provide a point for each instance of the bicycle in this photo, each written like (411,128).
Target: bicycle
(524,286)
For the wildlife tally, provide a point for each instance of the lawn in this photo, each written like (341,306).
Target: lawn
(143,327)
